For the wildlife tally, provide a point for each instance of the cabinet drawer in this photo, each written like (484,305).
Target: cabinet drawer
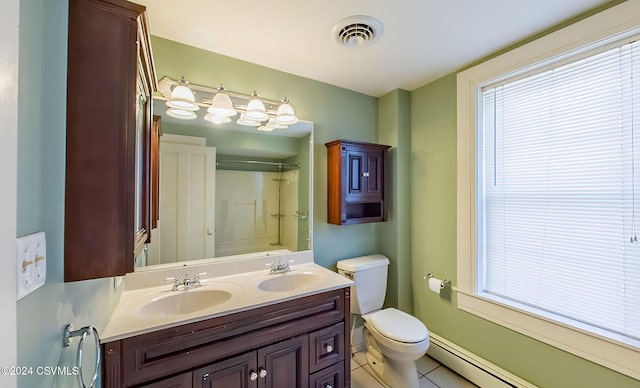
(180,381)
(326,347)
(332,377)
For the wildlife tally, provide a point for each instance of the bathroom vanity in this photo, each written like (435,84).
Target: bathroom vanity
(268,330)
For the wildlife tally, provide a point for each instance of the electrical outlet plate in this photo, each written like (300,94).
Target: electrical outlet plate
(31,268)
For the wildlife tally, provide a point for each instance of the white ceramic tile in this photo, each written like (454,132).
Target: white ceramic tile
(426,364)
(361,379)
(377,378)
(360,358)
(426,383)
(446,378)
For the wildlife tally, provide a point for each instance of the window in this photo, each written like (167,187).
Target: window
(549,189)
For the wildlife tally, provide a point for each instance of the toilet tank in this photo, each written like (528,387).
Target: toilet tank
(369,274)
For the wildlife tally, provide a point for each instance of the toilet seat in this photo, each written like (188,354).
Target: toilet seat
(398,326)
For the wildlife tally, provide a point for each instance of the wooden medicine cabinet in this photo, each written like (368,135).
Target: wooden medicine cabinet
(357,174)
(108,182)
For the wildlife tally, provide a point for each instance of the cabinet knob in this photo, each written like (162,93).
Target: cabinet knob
(253,376)
(263,373)
(328,386)
(365,174)
(209,232)
(328,348)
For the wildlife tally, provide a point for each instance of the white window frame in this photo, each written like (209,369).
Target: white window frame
(618,354)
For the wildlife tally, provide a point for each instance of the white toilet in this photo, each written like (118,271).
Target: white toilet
(394,339)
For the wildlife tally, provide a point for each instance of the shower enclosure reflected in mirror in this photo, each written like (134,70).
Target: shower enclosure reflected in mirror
(228,190)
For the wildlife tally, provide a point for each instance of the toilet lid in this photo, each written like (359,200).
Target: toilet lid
(398,326)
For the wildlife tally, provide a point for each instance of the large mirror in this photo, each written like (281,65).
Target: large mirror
(228,190)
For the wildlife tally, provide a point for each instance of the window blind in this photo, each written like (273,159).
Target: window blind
(558,190)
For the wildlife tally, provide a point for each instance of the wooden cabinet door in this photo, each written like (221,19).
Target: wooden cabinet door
(236,372)
(354,171)
(286,364)
(373,175)
(363,178)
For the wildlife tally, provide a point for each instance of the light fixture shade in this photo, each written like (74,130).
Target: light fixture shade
(273,124)
(265,128)
(244,120)
(181,114)
(182,98)
(285,114)
(221,105)
(217,119)
(256,110)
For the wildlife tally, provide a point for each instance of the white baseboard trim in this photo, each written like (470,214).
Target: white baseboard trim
(472,367)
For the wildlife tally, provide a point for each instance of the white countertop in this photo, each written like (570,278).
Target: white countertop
(127,321)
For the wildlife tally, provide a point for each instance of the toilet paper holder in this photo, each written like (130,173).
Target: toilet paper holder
(446,283)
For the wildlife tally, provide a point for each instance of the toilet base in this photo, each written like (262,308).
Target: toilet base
(391,372)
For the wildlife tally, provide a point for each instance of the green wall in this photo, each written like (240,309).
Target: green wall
(433,245)
(394,129)
(335,112)
(42,315)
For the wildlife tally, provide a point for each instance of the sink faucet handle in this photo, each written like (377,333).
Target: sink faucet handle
(175,280)
(196,278)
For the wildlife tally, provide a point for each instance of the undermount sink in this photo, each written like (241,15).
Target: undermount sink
(183,302)
(289,282)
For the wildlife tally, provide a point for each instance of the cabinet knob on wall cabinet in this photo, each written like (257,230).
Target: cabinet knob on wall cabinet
(209,232)
(253,376)
(263,373)
(365,174)
(328,386)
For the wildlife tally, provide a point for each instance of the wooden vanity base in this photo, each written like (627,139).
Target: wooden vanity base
(298,343)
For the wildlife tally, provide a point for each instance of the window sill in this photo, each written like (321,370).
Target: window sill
(620,354)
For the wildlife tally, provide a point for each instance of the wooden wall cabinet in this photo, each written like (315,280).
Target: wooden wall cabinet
(357,174)
(110,80)
(298,343)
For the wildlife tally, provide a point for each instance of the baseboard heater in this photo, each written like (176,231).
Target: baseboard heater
(472,367)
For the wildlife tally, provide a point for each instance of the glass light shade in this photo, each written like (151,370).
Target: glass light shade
(221,105)
(181,113)
(285,114)
(182,98)
(217,119)
(256,111)
(244,120)
(273,124)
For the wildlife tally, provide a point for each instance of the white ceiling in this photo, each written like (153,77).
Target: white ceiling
(422,39)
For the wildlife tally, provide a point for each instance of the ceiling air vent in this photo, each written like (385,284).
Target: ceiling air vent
(357,31)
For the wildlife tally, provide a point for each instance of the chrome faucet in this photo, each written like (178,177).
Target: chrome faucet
(186,283)
(280,267)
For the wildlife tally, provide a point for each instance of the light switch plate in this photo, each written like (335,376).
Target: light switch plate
(31,268)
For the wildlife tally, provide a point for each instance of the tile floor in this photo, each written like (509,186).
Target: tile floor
(432,374)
